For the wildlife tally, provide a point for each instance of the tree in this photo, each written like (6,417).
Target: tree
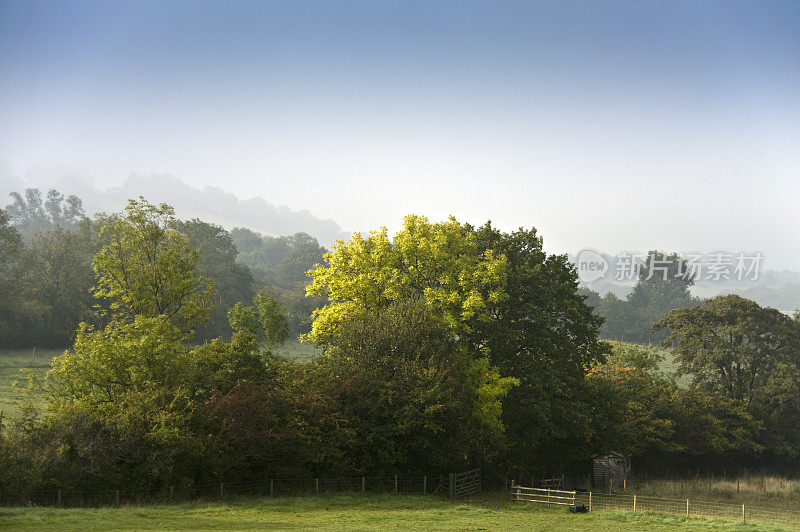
(59,278)
(414,398)
(148,269)
(436,263)
(280,265)
(731,346)
(31,215)
(233,283)
(264,320)
(10,295)
(542,333)
(664,282)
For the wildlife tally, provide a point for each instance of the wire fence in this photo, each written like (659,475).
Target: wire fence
(434,485)
(417,485)
(688,508)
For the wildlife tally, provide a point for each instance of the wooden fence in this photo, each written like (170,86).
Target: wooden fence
(542,495)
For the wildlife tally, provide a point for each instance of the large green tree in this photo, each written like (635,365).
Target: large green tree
(544,334)
(732,346)
(147,268)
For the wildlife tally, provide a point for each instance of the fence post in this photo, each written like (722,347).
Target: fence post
(395,483)
(271,487)
(59,497)
(590,501)
(744,515)
(116,498)
(363,485)
(634,503)
(171,492)
(316,484)
(424,485)
(687,507)
(451,486)
(221,490)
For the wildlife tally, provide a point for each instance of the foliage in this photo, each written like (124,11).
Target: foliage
(10,270)
(639,412)
(414,398)
(280,264)
(543,334)
(732,346)
(264,320)
(663,285)
(32,215)
(233,282)
(148,269)
(437,263)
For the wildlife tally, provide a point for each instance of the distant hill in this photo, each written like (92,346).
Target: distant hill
(210,204)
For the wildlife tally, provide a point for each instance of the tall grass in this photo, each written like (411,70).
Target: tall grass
(765,490)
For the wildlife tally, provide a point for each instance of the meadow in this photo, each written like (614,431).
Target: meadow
(353,512)
(13,364)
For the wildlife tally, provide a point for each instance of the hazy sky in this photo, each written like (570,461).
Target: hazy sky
(613,125)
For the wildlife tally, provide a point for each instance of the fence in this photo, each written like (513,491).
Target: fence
(542,495)
(463,484)
(636,503)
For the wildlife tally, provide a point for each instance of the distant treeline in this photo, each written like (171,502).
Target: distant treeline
(46,272)
(631,319)
(444,347)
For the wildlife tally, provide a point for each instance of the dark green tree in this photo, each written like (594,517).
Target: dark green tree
(233,282)
(546,336)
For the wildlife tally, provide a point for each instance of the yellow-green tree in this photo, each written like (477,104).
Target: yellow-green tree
(436,263)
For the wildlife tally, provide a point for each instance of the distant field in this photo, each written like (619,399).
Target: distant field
(12,362)
(354,512)
(298,350)
(670,368)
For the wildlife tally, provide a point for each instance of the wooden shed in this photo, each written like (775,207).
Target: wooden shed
(610,469)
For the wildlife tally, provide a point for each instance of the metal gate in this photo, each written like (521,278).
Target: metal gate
(463,484)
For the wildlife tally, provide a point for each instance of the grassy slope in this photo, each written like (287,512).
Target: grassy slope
(11,364)
(351,513)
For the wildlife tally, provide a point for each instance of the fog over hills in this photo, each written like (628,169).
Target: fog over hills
(773,288)
(779,289)
(210,204)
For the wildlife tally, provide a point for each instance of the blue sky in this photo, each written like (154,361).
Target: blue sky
(613,125)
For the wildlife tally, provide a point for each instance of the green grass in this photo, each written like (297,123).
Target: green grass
(669,368)
(297,350)
(758,490)
(353,513)
(12,364)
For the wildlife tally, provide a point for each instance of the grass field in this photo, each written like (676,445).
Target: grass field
(294,348)
(353,513)
(11,365)
(758,490)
